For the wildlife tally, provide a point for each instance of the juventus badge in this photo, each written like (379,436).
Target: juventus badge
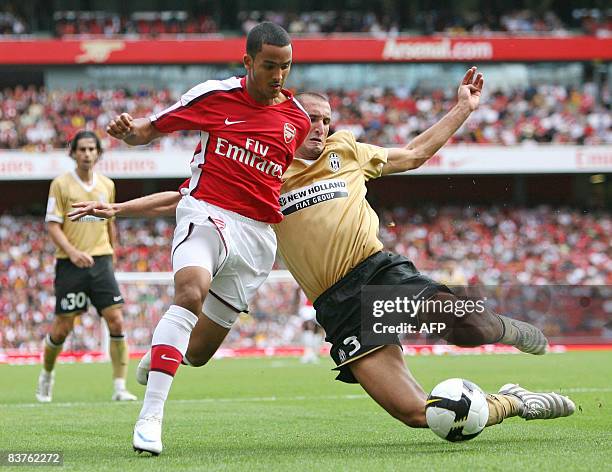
(334,162)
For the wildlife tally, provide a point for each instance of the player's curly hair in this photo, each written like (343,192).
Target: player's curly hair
(266,33)
(81,135)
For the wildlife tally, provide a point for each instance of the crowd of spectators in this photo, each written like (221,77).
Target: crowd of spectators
(391,21)
(514,22)
(493,246)
(138,24)
(322,22)
(431,22)
(542,114)
(36,119)
(486,246)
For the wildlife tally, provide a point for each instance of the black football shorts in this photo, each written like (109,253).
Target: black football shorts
(75,287)
(339,307)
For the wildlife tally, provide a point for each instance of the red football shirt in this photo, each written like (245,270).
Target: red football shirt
(245,147)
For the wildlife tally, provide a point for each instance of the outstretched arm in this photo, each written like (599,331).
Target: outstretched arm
(156,204)
(426,144)
(133,131)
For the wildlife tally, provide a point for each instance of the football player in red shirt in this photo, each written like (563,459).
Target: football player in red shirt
(224,246)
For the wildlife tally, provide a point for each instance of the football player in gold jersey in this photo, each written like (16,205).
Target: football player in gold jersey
(329,241)
(84,267)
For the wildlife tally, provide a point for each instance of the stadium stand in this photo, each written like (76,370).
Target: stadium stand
(457,245)
(37,119)
(391,20)
(141,24)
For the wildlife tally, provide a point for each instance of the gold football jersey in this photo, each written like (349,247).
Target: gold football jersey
(90,233)
(329,227)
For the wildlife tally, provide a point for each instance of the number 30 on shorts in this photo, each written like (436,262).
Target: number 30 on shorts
(74,301)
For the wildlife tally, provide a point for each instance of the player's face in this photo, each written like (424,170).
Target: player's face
(86,153)
(267,72)
(320,118)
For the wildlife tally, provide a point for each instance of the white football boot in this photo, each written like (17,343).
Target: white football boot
(123,396)
(147,435)
(144,366)
(44,391)
(539,406)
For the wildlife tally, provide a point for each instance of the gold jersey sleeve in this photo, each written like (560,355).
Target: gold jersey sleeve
(89,234)
(328,226)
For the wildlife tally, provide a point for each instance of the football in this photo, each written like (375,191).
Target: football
(457,410)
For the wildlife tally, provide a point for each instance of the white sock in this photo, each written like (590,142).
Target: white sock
(46,375)
(119,384)
(158,387)
(173,330)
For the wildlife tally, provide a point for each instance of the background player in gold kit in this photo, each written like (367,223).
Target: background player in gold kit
(84,267)
(329,242)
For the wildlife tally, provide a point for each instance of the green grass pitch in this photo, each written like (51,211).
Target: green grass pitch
(279,415)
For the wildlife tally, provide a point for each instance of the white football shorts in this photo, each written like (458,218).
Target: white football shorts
(237,251)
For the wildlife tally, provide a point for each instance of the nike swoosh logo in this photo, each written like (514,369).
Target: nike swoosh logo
(228,122)
(414,297)
(143,438)
(166,358)
(116,299)
(433,400)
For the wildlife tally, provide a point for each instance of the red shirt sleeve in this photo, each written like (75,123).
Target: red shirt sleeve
(192,111)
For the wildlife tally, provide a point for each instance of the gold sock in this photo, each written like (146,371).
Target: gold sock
(52,350)
(501,407)
(119,356)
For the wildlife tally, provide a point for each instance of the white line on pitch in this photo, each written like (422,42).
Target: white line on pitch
(194,400)
(260,399)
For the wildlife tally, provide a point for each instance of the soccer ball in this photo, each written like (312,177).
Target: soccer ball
(457,410)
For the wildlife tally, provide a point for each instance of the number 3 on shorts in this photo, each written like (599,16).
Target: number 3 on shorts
(352,340)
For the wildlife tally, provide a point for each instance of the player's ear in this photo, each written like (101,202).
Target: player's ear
(247,61)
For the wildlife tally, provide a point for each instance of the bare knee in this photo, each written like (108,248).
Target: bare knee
(61,328)
(114,320)
(191,287)
(190,296)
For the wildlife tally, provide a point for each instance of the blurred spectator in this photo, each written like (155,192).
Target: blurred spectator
(594,22)
(527,21)
(141,24)
(11,22)
(36,119)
